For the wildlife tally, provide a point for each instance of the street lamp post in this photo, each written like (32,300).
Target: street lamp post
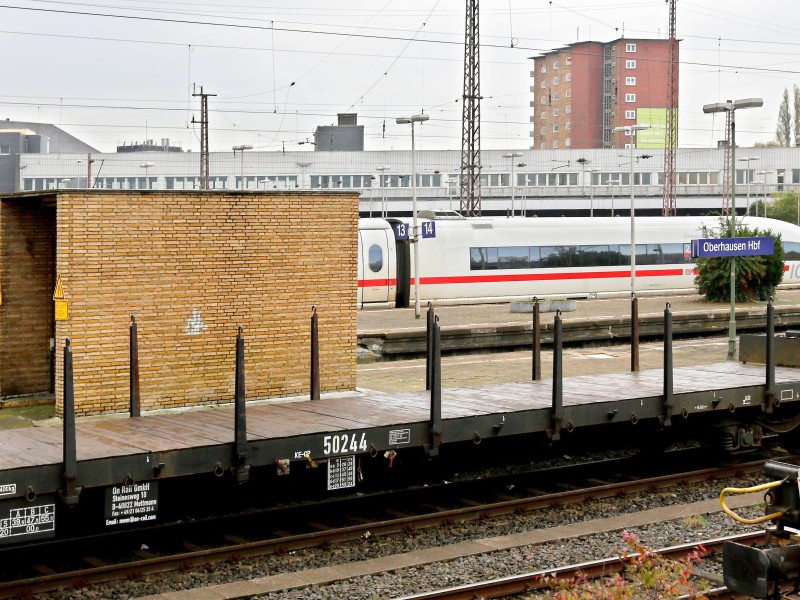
(591,192)
(747,161)
(241,149)
(383,170)
(406,121)
(731,107)
(630,130)
(512,156)
(146,166)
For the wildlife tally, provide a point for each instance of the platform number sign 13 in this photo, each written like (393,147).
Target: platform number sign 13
(401,231)
(429,229)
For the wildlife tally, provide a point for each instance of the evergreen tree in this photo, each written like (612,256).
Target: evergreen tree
(784,131)
(796,115)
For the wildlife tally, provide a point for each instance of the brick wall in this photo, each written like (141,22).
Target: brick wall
(193,267)
(27,230)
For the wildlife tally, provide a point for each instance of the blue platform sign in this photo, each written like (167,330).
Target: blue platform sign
(727,247)
(401,231)
(429,229)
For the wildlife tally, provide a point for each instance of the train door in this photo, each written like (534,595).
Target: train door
(375,281)
(403,252)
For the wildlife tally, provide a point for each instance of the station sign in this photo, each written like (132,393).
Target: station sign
(403,231)
(730,247)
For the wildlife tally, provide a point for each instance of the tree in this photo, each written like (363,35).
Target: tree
(784,131)
(781,206)
(796,115)
(756,276)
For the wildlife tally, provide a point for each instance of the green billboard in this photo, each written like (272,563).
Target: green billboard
(656,136)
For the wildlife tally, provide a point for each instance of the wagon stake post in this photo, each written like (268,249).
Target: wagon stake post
(666,409)
(432,448)
(557,417)
(241,468)
(769,392)
(71,492)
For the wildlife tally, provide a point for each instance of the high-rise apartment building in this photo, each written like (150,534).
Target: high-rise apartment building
(582,91)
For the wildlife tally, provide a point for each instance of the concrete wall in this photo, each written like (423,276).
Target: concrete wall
(193,267)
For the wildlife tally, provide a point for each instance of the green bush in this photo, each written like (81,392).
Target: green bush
(756,276)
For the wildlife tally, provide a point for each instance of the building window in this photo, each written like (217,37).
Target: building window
(556,80)
(630,97)
(555,65)
(567,143)
(544,84)
(541,131)
(568,60)
(630,114)
(543,100)
(5,149)
(568,94)
(543,69)
(542,146)
(544,115)
(630,81)
(555,127)
(630,64)
(568,125)
(568,109)
(555,144)
(555,96)
(568,77)
(555,112)
(630,47)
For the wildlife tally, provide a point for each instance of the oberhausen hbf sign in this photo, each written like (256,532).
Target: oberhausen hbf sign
(725,247)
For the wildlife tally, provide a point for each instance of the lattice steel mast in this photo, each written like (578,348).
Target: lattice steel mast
(670,206)
(203,137)
(471,118)
(727,166)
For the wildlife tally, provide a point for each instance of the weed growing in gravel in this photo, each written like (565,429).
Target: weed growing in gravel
(645,575)
(696,521)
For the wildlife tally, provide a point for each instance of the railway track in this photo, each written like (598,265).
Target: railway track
(528,583)
(224,544)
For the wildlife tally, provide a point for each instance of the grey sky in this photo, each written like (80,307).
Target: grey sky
(110,80)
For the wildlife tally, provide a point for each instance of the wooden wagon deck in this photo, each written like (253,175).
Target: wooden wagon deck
(194,441)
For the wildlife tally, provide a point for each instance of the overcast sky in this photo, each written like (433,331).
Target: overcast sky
(123,71)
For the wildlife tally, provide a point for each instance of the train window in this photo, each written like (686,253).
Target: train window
(625,254)
(535,257)
(791,250)
(375,258)
(554,257)
(513,257)
(481,259)
(593,256)
(672,254)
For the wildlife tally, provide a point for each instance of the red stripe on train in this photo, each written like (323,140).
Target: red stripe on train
(525,277)
(376,282)
(548,276)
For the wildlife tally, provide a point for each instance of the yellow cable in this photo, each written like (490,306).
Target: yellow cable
(758,488)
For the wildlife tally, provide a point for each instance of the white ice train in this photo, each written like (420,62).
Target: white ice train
(501,259)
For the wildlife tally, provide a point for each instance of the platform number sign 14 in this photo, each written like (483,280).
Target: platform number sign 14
(429,229)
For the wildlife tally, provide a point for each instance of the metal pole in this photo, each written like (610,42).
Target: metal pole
(416,226)
(135,400)
(634,334)
(242,469)
(69,448)
(512,186)
(316,389)
(591,195)
(633,228)
(537,342)
(732,324)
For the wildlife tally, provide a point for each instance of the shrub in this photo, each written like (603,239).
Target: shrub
(756,276)
(646,575)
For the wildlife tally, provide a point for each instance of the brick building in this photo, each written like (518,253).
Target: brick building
(192,267)
(583,90)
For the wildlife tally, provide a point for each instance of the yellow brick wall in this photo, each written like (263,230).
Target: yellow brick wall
(193,267)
